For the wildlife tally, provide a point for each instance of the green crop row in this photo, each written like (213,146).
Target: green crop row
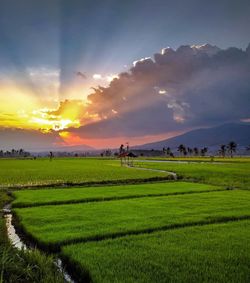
(26,198)
(211,253)
(14,173)
(228,174)
(57,225)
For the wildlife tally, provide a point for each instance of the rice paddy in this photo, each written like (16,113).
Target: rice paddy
(123,225)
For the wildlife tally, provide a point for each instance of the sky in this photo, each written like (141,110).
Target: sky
(100,73)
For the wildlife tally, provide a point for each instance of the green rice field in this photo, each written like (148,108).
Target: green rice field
(40,197)
(115,224)
(66,171)
(230,174)
(88,221)
(211,253)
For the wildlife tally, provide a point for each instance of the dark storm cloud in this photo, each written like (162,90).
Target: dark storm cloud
(178,89)
(92,34)
(137,122)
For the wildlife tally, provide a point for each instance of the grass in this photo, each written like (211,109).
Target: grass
(26,198)
(23,266)
(229,174)
(14,172)
(53,226)
(200,159)
(137,226)
(211,253)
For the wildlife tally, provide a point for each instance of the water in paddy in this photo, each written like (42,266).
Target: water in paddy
(16,241)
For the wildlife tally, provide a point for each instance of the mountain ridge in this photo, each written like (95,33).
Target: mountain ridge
(209,137)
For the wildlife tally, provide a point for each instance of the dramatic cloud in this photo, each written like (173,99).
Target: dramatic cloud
(105,78)
(170,93)
(192,86)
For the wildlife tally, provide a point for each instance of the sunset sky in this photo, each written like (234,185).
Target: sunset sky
(100,73)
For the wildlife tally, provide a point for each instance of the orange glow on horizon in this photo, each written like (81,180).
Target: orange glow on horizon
(71,139)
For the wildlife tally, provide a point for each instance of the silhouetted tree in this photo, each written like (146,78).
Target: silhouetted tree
(190,151)
(182,149)
(222,150)
(108,152)
(121,152)
(14,153)
(231,148)
(204,151)
(167,151)
(196,151)
(51,155)
(121,149)
(127,148)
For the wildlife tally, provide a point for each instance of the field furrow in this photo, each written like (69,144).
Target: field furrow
(28,198)
(211,253)
(57,225)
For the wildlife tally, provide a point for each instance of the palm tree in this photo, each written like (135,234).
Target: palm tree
(121,152)
(204,151)
(168,151)
(222,150)
(182,149)
(189,150)
(121,149)
(196,151)
(232,148)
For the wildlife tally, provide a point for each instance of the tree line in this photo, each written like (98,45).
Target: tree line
(14,153)
(224,149)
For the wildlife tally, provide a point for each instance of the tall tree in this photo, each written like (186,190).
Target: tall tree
(222,150)
(196,151)
(182,149)
(204,151)
(121,149)
(168,151)
(232,148)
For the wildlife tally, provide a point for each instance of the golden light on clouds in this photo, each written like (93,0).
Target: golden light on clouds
(105,78)
(21,108)
(40,102)
(69,113)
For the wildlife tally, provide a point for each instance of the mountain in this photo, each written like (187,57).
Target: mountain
(210,137)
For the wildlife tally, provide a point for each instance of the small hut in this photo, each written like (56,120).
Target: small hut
(127,158)
(131,157)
